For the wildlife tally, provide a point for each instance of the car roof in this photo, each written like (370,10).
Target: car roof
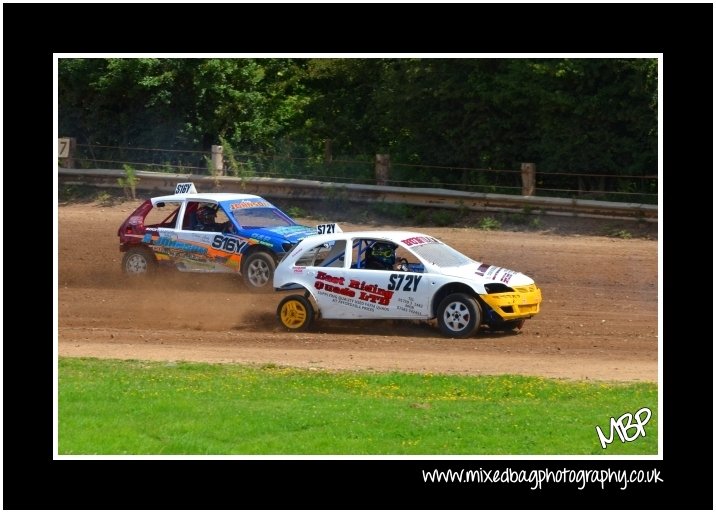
(395,236)
(207,196)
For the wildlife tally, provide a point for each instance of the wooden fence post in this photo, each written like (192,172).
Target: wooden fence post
(67,147)
(217,159)
(382,168)
(529,173)
(327,152)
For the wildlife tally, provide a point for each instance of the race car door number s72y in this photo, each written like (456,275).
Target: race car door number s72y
(408,282)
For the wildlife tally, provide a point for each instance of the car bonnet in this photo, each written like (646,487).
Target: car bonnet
(292,234)
(486,273)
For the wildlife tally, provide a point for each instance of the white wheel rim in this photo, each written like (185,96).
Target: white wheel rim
(258,273)
(136,264)
(456,316)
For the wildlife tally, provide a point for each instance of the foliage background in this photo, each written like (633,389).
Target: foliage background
(586,115)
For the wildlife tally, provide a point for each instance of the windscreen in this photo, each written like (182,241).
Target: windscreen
(257,214)
(261,217)
(440,255)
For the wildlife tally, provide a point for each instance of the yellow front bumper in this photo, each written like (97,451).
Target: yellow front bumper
(523,303)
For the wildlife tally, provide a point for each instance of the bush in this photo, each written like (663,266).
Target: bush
(444,217)
(296,212)
(104,199)
(489,223)
(129,182)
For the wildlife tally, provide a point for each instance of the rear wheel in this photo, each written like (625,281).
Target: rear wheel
(258,271)
(459,315)
(138,261)
(295,313)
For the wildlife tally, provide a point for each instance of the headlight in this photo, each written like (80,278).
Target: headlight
(497,288)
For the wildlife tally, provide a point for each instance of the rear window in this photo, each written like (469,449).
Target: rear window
(164,216)
(330,254)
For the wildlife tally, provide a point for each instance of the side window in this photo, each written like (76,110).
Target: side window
(359,253)
(336,257)
(204,216)
(190,220)
(221,216)
(162,215)
(377,255)
(401,254)
(331,254)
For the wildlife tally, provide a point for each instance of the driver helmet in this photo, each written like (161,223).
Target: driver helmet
(206,215)
(383,252)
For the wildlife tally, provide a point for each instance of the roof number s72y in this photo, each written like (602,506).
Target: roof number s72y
(328,228)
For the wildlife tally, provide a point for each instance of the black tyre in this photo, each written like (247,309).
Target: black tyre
(459,315)
(295,313)
(507,325)
(257,271)
(138,261)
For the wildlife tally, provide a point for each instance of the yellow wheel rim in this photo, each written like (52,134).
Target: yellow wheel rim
(293,314)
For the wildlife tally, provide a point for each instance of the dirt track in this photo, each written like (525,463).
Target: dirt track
(598,318)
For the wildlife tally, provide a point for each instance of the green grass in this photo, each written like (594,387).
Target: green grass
(159,408)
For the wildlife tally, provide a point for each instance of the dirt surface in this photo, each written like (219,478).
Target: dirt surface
(598,319)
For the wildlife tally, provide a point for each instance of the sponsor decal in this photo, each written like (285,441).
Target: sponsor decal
(249,204)
(481,270)
(493,272)
(151,237)
(409,305)
(359,290)
(166,242)
(253,241)
(257,237)
(418,241)
(507,276)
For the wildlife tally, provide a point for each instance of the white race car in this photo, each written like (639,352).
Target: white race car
(399,275)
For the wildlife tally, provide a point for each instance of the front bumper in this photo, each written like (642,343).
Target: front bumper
(523,303)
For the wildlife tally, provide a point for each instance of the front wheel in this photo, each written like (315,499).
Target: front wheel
(295,313)
(258,271)
(138,261)
(459,315)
